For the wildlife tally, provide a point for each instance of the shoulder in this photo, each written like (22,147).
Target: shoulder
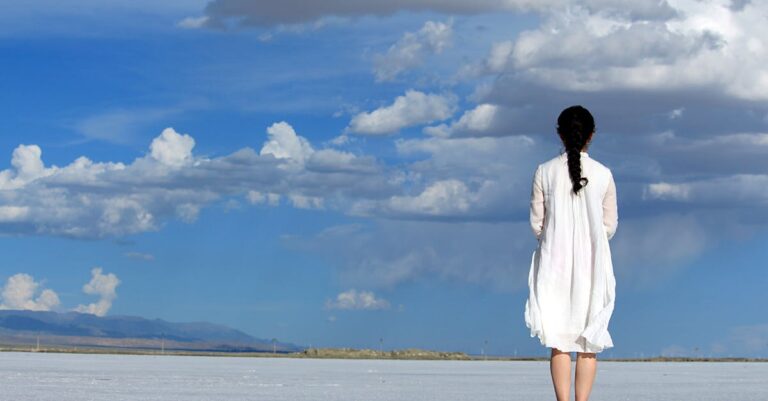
(546,165)
(597,165)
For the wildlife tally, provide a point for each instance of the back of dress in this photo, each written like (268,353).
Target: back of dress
(571,281)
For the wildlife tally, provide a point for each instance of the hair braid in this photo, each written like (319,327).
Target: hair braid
(575,126)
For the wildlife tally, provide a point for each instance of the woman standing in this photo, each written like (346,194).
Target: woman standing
(573,214)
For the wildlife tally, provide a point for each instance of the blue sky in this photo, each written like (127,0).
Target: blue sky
(334,173)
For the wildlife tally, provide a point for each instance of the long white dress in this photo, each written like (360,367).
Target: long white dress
(571,282)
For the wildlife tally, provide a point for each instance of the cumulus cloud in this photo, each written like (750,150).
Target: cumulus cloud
(663,190)
(441,199)
(413,108)
(256,197)
(411,50)
(283,143)
(104,286)
(694,70)
(605,43)
(592,46)
(172,148)
(306,202)
(13,213)
(88,199)
(463,215)
(21,292)
(296,153)
(461,179)
(500,53)
(478,121)
(28,166)
(353,299)
(678,89)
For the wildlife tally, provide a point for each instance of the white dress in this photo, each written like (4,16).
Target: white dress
(571,282)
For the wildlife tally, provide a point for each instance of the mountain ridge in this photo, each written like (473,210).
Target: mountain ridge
(75,328)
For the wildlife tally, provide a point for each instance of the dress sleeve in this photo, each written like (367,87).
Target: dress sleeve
(537,204)
(610,209)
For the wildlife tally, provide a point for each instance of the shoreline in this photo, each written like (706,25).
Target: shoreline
(345,353)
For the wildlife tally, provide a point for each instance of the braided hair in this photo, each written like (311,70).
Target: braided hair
(575,125)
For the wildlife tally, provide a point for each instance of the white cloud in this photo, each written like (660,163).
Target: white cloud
(353,299)
(447,200)
(306,202)
(644,66)
(256,198)
(192,22)
(733,190)
(664,190)
(284,143)
(499,55)
(692,45)
(340,140)
(104,286)
(461,179)
(19,293)
(441,198)
(676,113)
(497,61)
(13,213)
(411,50)
(28,165)
(87,199)
(479,120)
(172,148)
(413,108)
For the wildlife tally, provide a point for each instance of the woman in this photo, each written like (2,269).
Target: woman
(573,215)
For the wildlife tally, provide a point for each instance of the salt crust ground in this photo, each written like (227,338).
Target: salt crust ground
(64,377)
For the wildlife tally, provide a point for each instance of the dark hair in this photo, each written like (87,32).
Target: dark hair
(575,127)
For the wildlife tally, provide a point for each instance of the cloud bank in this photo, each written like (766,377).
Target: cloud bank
(88,199)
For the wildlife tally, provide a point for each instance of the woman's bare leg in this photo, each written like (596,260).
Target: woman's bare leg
(560,368)
(586,368)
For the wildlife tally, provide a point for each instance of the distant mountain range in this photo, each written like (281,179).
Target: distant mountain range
(80,329)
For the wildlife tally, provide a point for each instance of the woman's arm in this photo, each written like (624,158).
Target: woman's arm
(610,209)
(537,204)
